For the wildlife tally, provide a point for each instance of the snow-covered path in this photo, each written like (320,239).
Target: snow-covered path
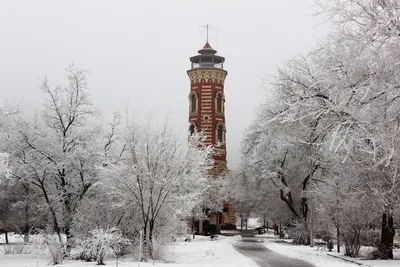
(252,248)
(325,258)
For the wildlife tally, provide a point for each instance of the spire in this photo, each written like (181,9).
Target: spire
(207,49)
(207,45)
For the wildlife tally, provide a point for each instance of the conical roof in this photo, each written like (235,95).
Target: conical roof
(207,49)
(207,45)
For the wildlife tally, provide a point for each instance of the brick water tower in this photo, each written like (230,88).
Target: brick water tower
(207,113)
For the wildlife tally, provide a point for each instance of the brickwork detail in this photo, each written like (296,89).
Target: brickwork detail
(207,78)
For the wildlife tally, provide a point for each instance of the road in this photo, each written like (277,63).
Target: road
(254,248)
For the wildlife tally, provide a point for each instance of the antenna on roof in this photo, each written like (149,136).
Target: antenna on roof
(207,26)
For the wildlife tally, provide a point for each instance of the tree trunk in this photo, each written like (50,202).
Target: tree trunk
(311,230)
(144,242)
(69,236)
(68,211)
(27,217)
(338,238)
(26,227)
(193,231)
(151,239)
(56,226)
(218,228)
(385,250)
(6,235)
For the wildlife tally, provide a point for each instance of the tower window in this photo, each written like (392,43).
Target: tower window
(219,103)
(220,134)
(193,103)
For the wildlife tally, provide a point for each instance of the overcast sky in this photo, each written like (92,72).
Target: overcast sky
(139,50)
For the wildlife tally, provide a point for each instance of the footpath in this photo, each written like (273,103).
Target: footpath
(324,258)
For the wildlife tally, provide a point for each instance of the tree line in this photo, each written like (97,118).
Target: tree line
(326,141)
(65,171)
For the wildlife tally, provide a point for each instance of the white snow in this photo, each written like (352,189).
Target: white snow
(322,259)
(203,252)
(199,252)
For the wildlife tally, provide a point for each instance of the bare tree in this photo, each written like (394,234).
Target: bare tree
(59,151)
(339,101)
(163,176)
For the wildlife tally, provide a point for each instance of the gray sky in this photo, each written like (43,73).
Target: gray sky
(139,50)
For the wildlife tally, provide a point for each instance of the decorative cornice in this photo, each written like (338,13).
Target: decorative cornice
(216,76)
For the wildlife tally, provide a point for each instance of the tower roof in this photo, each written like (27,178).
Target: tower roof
(207,50)
(207,45)
(207,58)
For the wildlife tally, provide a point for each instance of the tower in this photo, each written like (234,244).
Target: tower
(207,99)
(207,114)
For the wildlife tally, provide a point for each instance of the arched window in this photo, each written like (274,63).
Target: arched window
(193,103)
(220,133)
(219,103)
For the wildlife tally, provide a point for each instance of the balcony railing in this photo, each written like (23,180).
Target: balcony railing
(207,65)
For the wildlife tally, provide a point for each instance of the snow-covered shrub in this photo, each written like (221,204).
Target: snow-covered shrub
(159,245)
(351,239)
(111,209)
(166,234)
(172,229)
(299,234)
(56,248)
(135,247)
(14,249)
(101,243)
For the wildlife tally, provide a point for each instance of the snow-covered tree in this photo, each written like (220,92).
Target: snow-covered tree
(163,176)
(340,101)
(281,161)
(4,168)
(255,194)
(58,152)
(8,114)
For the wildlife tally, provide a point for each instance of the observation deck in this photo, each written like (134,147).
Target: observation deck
(207,58)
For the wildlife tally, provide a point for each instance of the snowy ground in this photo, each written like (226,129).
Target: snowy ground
(200,252)
(322,259)
(203,252)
